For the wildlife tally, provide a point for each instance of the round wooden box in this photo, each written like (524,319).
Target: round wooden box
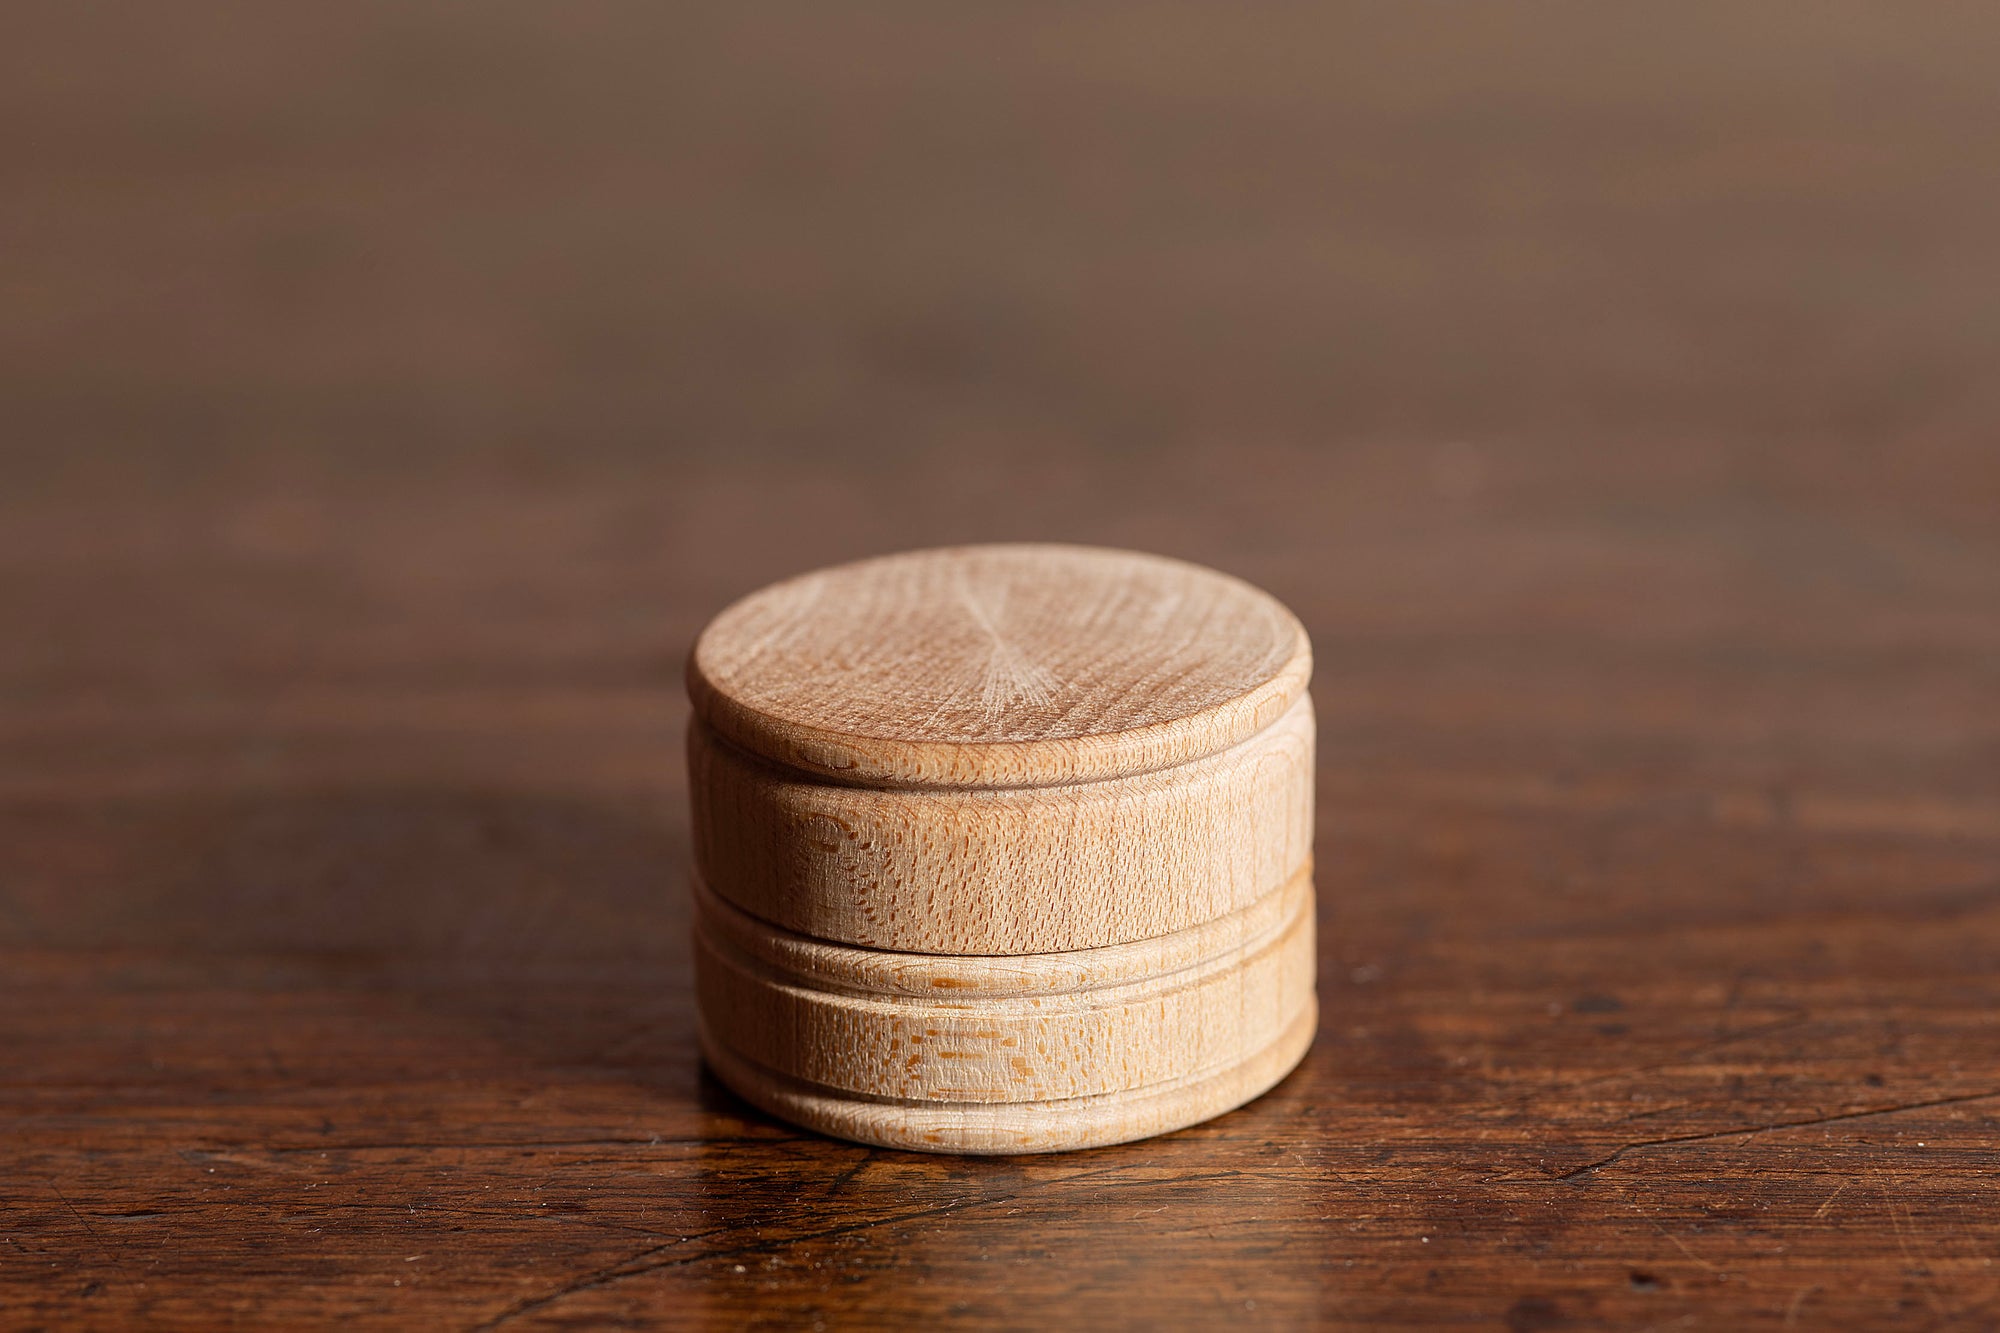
(1003,848)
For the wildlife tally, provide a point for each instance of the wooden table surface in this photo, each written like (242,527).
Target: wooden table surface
(388,392)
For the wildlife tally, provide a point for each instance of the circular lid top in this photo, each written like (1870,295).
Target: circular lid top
(998,666)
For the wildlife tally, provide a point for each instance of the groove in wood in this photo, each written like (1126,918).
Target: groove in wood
(1003,847)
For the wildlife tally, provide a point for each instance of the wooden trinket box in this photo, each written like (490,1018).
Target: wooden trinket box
(1003,848)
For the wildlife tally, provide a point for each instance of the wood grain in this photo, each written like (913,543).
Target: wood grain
(1044,1052)
(1141,846)
(999,665)
(391,392)
(1015,870)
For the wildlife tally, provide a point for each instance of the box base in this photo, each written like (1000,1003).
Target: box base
(1000,1128)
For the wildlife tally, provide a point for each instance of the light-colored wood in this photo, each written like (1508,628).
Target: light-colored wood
(998,666)
(1003,849)
(1046,1052)
(1019,1127)
(995,1030)
(1018,870)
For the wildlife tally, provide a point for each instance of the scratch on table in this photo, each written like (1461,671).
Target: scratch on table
(89,1230)
(1748,1131)
(1900,1223)
(648,1260)
(1680,1057)
(1821,1210)
(841,1181)
(635,1265)
(1682,1246)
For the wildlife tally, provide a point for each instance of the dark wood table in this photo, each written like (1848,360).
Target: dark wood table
(389,392)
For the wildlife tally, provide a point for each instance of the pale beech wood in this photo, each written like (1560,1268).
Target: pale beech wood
(1019,1127)
(992,1031)
(981,1055)
(1018,870)
(1003,848)
(998,666)
(836,967)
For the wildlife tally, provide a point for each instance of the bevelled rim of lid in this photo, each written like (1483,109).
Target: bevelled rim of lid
(1009,665)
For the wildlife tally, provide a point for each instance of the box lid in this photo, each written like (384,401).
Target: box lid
(1013,665)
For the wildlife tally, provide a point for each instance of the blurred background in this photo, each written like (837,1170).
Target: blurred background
(389,391)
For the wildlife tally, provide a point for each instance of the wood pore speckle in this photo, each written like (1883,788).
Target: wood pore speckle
(1130,828)
(997,666)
